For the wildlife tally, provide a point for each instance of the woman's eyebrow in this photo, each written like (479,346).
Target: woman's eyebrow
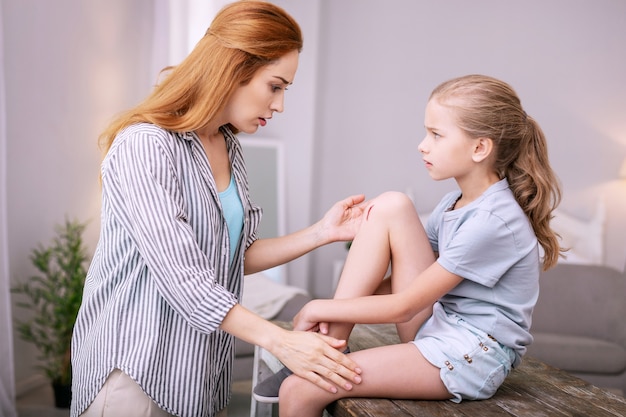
(283,80)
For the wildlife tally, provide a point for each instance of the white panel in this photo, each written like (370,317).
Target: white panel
(265,165)
(7,381)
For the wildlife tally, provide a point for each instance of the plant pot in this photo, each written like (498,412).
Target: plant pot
(62,394)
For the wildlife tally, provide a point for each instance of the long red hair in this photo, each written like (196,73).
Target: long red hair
(244,36)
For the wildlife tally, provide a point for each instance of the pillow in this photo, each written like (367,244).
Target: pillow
(584,238)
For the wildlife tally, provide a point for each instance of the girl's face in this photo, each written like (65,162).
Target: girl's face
(253,104)
(447,150)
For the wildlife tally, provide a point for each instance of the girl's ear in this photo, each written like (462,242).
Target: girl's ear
(482,149)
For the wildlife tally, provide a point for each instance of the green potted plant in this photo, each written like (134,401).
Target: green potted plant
(53,296)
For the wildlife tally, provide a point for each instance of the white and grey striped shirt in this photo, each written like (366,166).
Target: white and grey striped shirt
(160,282)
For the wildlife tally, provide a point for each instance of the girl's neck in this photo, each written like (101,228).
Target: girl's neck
(474,188)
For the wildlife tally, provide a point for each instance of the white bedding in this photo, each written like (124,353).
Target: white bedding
(584,238)
(266,297)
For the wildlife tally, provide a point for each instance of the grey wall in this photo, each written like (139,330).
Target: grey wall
(353,117)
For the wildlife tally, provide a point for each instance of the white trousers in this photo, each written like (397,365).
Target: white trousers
(120,396)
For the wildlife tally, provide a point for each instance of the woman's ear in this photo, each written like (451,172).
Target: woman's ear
(482,149)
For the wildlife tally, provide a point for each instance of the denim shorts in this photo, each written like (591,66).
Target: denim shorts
(472,364)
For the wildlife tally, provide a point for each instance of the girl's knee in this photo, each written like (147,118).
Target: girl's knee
(296,394)
(390,202)
(287,388)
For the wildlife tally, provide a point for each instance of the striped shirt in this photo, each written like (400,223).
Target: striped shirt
(160,282)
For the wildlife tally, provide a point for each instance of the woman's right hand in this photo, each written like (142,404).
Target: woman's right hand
(318,359)
(312,356)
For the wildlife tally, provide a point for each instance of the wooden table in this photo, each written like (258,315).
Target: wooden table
(532,389)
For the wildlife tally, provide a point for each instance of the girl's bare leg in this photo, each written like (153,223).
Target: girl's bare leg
(395,371)
(391,232)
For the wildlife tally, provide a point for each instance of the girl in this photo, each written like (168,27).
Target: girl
(154,335)
(462,290)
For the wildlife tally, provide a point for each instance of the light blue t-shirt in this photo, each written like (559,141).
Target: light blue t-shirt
(233,213)
(491,243)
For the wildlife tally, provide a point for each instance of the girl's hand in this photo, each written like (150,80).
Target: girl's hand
(342,220)
(316,357)
(303,321)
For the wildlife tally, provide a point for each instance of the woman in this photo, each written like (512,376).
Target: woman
(154,335)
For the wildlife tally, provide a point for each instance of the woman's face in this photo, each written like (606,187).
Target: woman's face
(253,104)
(446,150)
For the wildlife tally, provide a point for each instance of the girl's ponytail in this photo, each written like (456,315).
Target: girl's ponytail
(536,188)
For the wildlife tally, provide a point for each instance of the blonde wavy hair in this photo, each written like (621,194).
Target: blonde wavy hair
(487,107)
(244,36)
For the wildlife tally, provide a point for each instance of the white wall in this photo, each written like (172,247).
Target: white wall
(297,128)
(70,66)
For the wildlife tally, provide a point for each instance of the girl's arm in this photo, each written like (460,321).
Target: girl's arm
(340,223)
(399,307)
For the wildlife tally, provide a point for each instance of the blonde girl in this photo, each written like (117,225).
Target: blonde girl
(462,289)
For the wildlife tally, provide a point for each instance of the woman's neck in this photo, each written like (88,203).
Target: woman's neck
(209,134)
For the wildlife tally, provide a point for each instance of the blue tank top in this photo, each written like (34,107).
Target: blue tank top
(233,213)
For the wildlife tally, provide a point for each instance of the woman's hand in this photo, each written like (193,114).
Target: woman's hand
(309,355)
(316,357)
(342,220)
(340,223)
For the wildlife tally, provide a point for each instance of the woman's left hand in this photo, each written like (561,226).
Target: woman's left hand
(342,220)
